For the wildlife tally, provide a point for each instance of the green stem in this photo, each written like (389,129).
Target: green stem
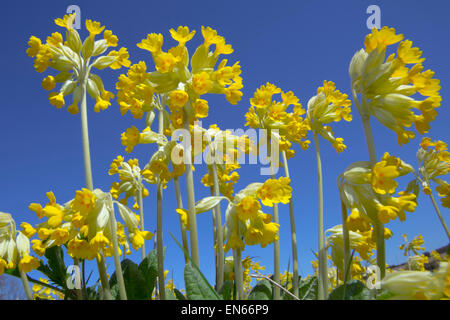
(26,285)
(323,259)
(85,138)
(141,221)
(346,239)
(90,184)
(183,228)
(378,226)
(79,292)
(103,277)
(238,274)
(119,274)
(191,200)
(219,235)
(293,232)
(159,222)
(436,208)
(276,244)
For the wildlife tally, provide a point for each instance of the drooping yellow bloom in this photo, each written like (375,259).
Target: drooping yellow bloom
(71,58)
(329,105)
(275,191)
(388,86)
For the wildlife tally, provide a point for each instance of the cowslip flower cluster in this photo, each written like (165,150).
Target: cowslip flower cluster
(83,224)
(14,247)
(416,260)
(183,87)
(131,180)
(72,59)
(434,162)
(368,192)
(360,242)
(246,223)
(224,150)
(329,105)
(388,85)
(266,113)
(419,285)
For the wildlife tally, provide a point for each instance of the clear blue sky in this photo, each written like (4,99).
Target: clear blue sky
(292,44)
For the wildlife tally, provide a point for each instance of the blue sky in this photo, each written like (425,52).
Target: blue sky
(292,44)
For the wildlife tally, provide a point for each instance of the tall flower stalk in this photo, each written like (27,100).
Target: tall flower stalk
(218,226)
(329,105)
(184,238)
(73,55)
(295,275)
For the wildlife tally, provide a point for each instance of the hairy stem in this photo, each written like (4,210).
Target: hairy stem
(238,275)
(159,221)
(90,184)
(293,233)
(323,259)
(141,221)
(26,285)
(438,212)
(119,274)
(176,183)
(191,200)
(219,235)
(276,244)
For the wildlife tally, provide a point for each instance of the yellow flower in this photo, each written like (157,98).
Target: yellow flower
(99,242)
(138,238)
(56,99)
(248,208)
(201,83)
(28,263)
(383,176)
(165,62)
(94,27)
(48,83)
(380,39)
(121,58)
(182,35)
(201,108)
(130,138)
(60,236)
(177,99)
(275,191)
(152,43)
(84,201)
(66,21)
(110,38)
(28,229)
(35,46)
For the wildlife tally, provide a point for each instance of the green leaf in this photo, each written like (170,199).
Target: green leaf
(385,295)
(179,295)
(261,291)
(197,287)
(308,289)
(355,290)
(55,269)
(149,270)
(191,273)
(208,203)
(227,290)
(135,283)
